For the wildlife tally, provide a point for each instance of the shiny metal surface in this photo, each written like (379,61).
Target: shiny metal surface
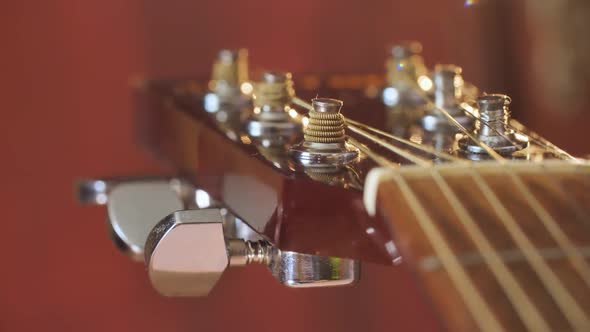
(187,252)
(303,271)
(323,155)
(492,128)
(134,209)
(135,205)
(327,105)
(324,144)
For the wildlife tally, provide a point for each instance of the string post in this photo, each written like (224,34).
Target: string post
(271,119)
(448,94)
(491,127)
(324,143)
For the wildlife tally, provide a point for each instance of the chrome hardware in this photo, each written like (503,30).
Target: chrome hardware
(492,129)
(324,138)
(187,252)
(272,99)
(448,93)
(134,206)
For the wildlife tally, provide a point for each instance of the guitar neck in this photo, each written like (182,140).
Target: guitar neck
(497,247)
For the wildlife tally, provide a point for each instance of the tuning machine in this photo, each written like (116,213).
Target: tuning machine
(134,205)
(273,120)
(187,252)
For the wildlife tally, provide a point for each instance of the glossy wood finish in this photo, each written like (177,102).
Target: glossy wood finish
(563,193)
(275,202)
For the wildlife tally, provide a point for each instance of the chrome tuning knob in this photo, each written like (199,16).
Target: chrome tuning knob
(134,206)
(187,252)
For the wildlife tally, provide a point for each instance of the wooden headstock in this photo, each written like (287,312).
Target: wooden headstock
(430,161)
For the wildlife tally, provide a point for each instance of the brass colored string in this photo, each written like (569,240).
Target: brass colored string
(325,133)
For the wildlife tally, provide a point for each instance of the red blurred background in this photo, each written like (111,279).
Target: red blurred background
(67,113)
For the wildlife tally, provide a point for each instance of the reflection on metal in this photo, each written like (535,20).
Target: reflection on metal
(134,206)
(187,252)
(302,270)
(491,128)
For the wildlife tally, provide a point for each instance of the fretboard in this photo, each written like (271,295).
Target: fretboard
(498,247)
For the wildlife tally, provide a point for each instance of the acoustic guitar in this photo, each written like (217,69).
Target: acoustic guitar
(314,175)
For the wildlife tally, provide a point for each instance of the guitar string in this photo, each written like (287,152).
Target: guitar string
(525,309)
(557,290)
(515,124)
(578,262)
(424,148)
(380,160)
(570,250)
(568,306)
(453,121)
(405,154)
(479,309)
(522,304)
(581,266)
(582,214)
(519,128)
(527,312)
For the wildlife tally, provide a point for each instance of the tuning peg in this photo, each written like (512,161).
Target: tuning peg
(135,205)
(187,252)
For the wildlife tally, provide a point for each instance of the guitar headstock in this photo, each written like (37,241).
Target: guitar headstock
(324,171)
(295,169)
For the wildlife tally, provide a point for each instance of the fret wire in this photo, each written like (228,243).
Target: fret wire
(480,310)
(554,230)
(569,307)
(527,312)
(407,155)
(424,148)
